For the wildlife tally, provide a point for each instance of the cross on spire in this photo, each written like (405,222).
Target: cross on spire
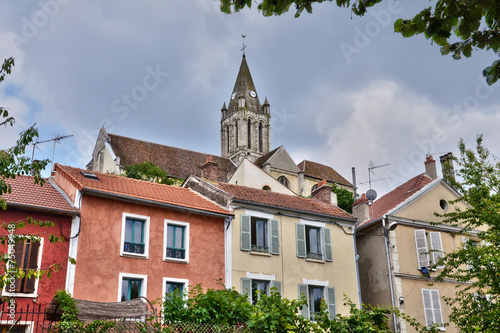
(244,45)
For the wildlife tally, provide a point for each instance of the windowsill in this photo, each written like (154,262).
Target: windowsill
(261,254)
(19,295)
(133,255)
(316,260)
(180,261)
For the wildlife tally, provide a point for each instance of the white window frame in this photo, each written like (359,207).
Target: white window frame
(325,285)
(144,283)
(28,324)
(175,280)
(434,321)
(186,240)
(146,220)
(431,253)
(270,278)
(39,264)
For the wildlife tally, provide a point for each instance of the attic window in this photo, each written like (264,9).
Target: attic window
(266,188)
(443,204)
(89,175)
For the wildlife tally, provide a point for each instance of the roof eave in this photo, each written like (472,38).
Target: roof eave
(43,209)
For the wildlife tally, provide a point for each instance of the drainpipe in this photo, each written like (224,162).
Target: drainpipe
(356,255)
(386,234)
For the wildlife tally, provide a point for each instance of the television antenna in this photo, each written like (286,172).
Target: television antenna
(372,166)
(56,139)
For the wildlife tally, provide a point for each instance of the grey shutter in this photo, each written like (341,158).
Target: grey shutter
(327,245)
(300,232)
(436,246)
(275,237)
(245,233)
(465,240)
(330,300)
(277,285)
(429,313)
(421,245)
(436,306)
(304,294)
(246,288)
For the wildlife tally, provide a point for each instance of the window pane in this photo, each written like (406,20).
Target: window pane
(172,287)
(315,297)
(179,237)
(128,230)
(259,288)
(124,290)
(259,235)
(170,236)
(313,241)
(135,288)
(138,228)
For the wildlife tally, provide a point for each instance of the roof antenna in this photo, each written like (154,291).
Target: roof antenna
(56,139)
(244,45)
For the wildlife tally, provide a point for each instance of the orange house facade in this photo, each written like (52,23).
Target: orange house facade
(136,238)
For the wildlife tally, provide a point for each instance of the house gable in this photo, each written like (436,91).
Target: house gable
(279,159)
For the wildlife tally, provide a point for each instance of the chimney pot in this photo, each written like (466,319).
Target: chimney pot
(430,167)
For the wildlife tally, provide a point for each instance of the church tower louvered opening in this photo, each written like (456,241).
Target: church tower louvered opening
(245,127)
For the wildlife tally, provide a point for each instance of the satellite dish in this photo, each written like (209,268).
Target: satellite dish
(371,194)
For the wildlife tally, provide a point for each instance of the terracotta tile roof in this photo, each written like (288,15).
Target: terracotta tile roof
(257,196)
(398,196)
(46,197)
(261,160)
(321,171)
(139,189)
(177,162)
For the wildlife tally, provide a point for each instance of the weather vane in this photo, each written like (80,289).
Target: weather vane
(244,45)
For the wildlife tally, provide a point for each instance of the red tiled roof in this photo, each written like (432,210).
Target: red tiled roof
(321,171)
(177,162)
(283,200)
(398,196)
(46,197)
(140,189)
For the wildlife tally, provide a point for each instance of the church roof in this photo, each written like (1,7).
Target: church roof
(321,171)
(177,162)
(280,200)
(264,158)
(243,86)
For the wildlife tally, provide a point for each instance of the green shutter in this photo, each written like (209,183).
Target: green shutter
(277,285)
(246,288)
(304,294)
(330,299)
(327,244)
(300,231)
(275,237)
(245,233)
(421,246)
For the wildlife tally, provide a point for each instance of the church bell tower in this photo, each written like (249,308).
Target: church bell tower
(245,127)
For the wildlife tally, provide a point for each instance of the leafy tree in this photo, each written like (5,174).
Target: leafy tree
(345,198)
(458,27)
(147,171)
(476,265)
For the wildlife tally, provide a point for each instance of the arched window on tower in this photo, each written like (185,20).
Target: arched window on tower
(260,137)
(227,139)
(249,134)
(284,181)
(237,134)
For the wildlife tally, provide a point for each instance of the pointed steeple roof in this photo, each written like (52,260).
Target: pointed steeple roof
(244,87)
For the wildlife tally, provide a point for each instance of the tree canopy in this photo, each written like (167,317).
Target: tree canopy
(458,27)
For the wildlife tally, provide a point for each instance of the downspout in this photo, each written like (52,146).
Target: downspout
(386,234)
(356,255)
(228,251)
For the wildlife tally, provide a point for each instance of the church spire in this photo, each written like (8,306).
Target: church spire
(244,93)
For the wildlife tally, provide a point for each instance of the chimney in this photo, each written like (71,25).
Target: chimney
(324,193)
(361,209)
(430,167)
(209,170)
(447,167)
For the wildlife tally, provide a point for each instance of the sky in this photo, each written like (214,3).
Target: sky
(344,91)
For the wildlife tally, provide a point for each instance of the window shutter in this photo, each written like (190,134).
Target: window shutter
(246,288)
(421,245)
(29,284)
(327,244)
(245,233)
(429,313)
(304,294)
(330,299)
(300,232)
(436,246)
(464,245)
(277,285)
(19,253)
(275,237)
(436,305)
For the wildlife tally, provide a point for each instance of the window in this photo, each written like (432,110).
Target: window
(259,234)
(315,294)
(428,243)
(227,139)
(236,135)
(249,134)
(173,285)
(20,327)
(135,235)
(432,307)
(284,181)
(260,138)
(28,254)
(266,188)
(254,288)
(466,241)
(313,242)
(131,286)
(176,241)
(314,188)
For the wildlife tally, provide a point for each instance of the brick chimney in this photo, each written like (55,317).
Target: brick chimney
(447,167)
(430,167)
(361,209)
(209,169)
(324,193)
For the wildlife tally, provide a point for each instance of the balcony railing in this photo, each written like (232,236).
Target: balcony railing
(315,256)
(136,248)
(260,249)
(176,253)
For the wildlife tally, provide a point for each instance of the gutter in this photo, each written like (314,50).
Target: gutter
(153,203)
(44,209)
